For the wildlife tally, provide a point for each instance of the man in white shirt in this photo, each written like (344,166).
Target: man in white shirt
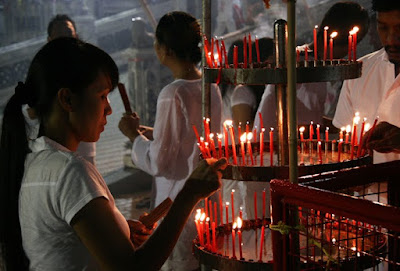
(375,93)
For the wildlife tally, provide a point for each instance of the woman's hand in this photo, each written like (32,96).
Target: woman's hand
(129,125)
(139,232)
(146,131)
(205,179)
(384,138)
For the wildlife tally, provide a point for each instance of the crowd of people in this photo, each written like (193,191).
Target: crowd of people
(60,214)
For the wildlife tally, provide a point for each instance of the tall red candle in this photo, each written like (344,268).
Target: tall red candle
(261,120)
(235,57)
(212,145)
(249,148)
(233,240)
(311,132)
(271,145)
(348,129)
(214,241)
(262,147)
(315,43)
(318,133)
(369,135)
(219,52)
(333,35)
(264,204)
(226,142)
(208,232)
(262,242)
(301,130)
(355,30)
(241,212)
(242,141)
(325,42)
(206,205)
(350,46)
(250,50)
(257,50)
(341,132)
(361,136)
(233,144)
(339,149)
(319,152)
(239,129)
(202,218)
(233,206)
(297,55)
(196,221)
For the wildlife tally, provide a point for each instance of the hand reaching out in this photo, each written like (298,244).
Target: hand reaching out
(384,138)
(139,232)
(129,125)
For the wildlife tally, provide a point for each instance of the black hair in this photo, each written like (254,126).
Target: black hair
(342,17)
(385,5)
(61,63)
(56,21)
(181,33)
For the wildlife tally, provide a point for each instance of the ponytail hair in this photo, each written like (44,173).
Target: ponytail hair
(181,33)
(61,63)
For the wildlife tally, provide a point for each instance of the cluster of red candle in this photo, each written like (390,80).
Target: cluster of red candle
(208,217)
(216,54)
(352,50)
(208,149)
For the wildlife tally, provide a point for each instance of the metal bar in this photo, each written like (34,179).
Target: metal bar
(280,32)
(149,14)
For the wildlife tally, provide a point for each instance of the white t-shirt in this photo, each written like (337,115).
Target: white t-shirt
(56,185)
(372,95)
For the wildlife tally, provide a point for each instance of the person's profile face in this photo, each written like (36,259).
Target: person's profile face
(388,25)
(63,29)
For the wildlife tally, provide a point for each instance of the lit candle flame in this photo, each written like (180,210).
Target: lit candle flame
(249,136)
(302,129)
(355,29)
(327,129)
(272,129)
(263,130)
(219,136)
(334,34)
(316,26)
(239,223)
(227,203)
(367,127)
(202,217)
(348,128)
(198,215)
(326,27)
(233,190)
(207,219)
(228,123)
(343,129)
(234,225)
(211,135)
(243,137)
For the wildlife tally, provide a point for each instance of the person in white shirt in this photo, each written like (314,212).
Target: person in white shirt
(57,211)
(169,151)
(375,93)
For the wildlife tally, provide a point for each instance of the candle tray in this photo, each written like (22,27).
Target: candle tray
(266,73)
(308,162)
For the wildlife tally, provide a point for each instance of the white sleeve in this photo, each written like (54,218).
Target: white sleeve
(344,110)
(87,150)
(156,157)
(243,95)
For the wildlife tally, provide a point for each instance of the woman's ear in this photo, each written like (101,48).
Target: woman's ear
(65,97)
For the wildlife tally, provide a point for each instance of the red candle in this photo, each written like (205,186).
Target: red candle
(241,212)
(341,133)
(361,136)
(233,206)
(255,134)
(262,147)
(206,205)
(350,46)
(255,205)
(239,226)
(219,55)
(262,242)
(250,50)
(315,43)
(249,148)
(235,57)
(333,35)
(261,120)
(239,129)
(247,128)
(354,137)
(202,217)
(219,137)
(233,144)
(340,149)
(327,134)
(233,240)
(370,133)
(257,50)
(214,243)
(319,152)
(196,221)
(301,130)
(215,213)
(242,140)
(355,30)
(212,145)
(208,232)
(207,149)
(325,41)
(271,146)
(297,55)
(206,122)
(318,133)
(226,213)
(196,133)
(207,52)
(226,142)
(245,52)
